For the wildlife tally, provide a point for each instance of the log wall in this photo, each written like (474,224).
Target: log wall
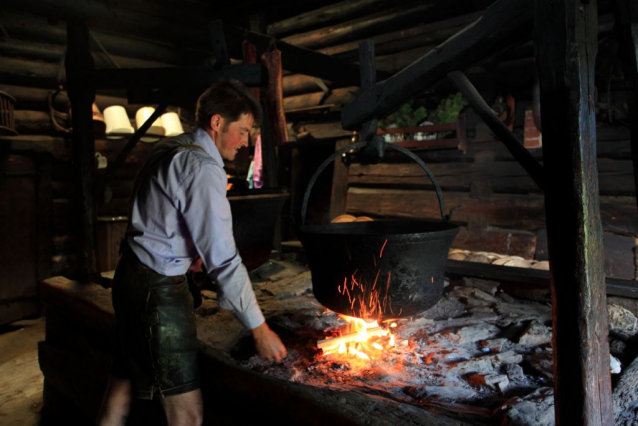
(31,54)
(497,204)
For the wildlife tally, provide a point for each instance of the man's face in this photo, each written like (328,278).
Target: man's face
(229,137)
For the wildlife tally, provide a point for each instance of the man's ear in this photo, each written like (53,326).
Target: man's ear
(216,122)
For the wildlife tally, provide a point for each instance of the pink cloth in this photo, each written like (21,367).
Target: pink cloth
(258,176)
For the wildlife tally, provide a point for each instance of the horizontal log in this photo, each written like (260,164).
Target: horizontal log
(33,98)
(325,15)
(18,71)
(528,276)
(295,84)
(615,177)
(59,148)
(101,15)
(38,122)
(40,73)
(20,26)
(503,24)
(358,27)
(54,53)
(172,77)
(494,240)
(335,97)
(404,39)
(501,210)
(320,130)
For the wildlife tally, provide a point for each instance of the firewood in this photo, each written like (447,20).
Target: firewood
(335,341)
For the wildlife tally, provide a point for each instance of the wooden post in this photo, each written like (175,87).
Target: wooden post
(81,88)
(218,42)
(566,44)
(339,191)
(626,27)
(274,130)
(513,145)
(249,54)
(274,97)
(268,151)
(374,150)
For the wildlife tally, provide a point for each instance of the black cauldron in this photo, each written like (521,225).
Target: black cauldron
(255,215)
(380,269)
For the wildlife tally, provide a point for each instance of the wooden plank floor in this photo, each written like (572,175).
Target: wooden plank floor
(22,380)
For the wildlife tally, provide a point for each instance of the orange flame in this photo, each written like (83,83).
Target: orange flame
(361,338)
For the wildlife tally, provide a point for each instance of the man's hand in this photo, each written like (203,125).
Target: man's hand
(268,344)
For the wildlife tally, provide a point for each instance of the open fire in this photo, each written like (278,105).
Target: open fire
(363,337)
(360,338)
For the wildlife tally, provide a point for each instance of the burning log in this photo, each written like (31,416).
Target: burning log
(351,337)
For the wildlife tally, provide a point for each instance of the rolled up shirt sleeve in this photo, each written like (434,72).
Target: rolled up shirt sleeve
(208,217)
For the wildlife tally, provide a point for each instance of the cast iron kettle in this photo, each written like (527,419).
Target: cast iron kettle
(381,269)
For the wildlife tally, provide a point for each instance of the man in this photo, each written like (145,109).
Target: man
(179,212)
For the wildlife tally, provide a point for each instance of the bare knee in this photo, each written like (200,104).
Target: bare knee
(184,409)
(185,418)
(117,402)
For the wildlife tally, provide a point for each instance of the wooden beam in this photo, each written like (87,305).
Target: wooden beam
(456,268)
(339,192)
(361,26)
(514,146)
(249,56)
(431,33)
(150,21)
(375,148)
(218,41)
(33,98)
(173,78)
(504,23)
(334,98)
(566,39)
(81,86)
(54,52)
(299,60)
(21,26)
(296,84)
(274,97)
(325,15)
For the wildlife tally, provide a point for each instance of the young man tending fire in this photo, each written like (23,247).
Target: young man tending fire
(179,212)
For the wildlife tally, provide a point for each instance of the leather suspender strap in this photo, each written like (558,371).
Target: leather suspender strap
(144,175)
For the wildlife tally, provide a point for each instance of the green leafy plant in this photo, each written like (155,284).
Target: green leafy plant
(449,109)
(405,116)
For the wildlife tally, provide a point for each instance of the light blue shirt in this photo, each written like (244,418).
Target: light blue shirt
(182,211)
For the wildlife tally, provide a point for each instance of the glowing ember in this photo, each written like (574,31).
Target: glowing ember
(361,338)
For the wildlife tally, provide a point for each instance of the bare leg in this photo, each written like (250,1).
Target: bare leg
(186,409)
(116,404)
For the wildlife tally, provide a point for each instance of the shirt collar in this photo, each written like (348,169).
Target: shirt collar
(203,139)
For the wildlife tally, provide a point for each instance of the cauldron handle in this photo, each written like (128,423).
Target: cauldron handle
(356,145)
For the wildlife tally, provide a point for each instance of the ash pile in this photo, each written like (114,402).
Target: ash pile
(481,354)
